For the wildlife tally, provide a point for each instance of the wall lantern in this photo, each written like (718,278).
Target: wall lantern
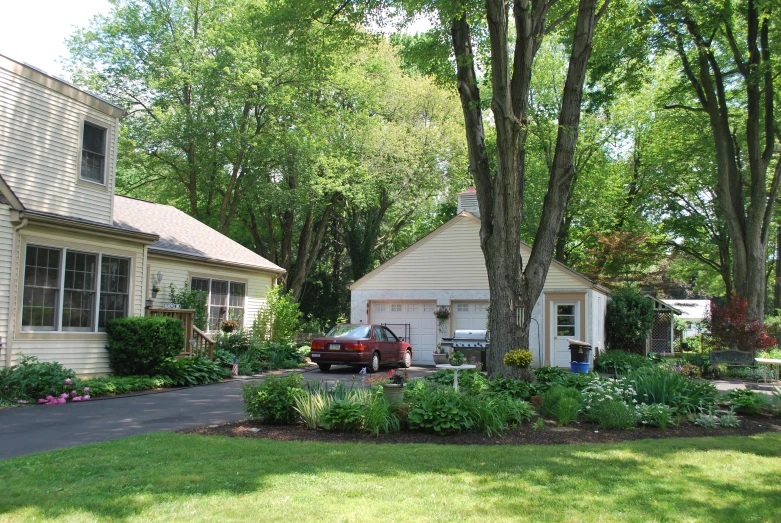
(156,284)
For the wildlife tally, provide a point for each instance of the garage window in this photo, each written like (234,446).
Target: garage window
(463,307)
(396,307)
(380,307)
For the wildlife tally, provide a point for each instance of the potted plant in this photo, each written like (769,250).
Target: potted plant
(518,358)
(228,326)
(457,358)
(442,314)
(392,385)
(440,355)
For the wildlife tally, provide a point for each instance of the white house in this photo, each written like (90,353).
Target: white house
(447,269)
(693,312)
(72,254)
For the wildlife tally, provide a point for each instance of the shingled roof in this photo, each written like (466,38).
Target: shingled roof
(183,236)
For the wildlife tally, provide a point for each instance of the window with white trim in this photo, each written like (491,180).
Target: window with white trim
(93,153)
(225,299)
(61,289)
(463,307)
(395,307)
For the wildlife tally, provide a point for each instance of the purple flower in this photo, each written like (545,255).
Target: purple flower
(86,389)
(41,400)
(85,397)
(68,381)
(362,371)
(73,393)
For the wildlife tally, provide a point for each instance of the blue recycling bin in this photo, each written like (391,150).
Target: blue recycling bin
(579,367)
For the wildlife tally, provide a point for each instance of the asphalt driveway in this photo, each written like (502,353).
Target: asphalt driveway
(45,427)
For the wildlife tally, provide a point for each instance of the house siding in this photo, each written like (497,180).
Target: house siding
(40,130)
(85,353)
(178,272)
(451,259)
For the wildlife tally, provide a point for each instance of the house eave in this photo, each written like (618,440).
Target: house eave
(64,222)
(214,261)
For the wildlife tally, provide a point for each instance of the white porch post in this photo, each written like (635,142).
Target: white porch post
(672,331)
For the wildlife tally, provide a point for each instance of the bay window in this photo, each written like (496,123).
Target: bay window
(72,290)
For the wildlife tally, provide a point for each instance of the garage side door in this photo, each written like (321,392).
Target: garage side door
(421,320)
(470,315)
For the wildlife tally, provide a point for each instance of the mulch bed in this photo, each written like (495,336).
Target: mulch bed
(579,433)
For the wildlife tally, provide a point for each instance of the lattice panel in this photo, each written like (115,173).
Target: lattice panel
(660,333)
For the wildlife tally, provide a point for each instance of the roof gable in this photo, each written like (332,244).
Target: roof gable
(8,197)
(450,257)
(182,235)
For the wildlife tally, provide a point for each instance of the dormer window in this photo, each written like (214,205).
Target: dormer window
(93,153)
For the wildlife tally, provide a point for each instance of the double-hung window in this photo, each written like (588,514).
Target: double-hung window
(72,290)
(93,153)
(225,299)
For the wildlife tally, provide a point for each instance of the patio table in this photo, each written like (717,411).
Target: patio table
(455,370)
(768,361)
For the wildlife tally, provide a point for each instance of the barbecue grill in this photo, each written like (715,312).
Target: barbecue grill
(472,342)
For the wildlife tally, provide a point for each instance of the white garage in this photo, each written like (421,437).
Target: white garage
(446,270)
(414,320)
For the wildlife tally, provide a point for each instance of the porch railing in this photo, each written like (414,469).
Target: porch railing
(196,342)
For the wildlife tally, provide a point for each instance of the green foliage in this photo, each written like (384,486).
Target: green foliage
(495,414)
(656,415)
(747,401)
(31,380)
(140,344)
(343,416)
(113,385)
(441,410)
(279,320)
(628,319)
(273,399)
(562,404)
(378,415)
(546,375)
(457,358)
(513,388)
(184,372)
(470,381)
(190,299)
(662,385)
(614,415)
(729,420)
(237,342)
(620,362)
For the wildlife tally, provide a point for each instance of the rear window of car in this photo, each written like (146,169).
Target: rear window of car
(359,332)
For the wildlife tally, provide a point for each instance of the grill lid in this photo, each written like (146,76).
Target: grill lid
(470,334)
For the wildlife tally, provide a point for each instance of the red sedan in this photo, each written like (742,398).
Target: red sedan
(360,346)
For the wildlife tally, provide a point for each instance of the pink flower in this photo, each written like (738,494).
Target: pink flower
(61,401)
(41,400)
(63,395)
(86,389)
(49,398)
(77,398)
(68,381)
(85,397)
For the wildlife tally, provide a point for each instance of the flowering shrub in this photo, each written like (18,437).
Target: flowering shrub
(520,358)
(687,369)
(730,324)
(599,391)
(31,379)
(65,396)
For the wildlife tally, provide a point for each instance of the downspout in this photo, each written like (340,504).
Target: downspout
(12,306)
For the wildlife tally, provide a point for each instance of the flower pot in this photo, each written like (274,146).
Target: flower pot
(440,359)
(394,393)
(227,330)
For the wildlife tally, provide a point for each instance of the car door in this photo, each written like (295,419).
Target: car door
(395,349)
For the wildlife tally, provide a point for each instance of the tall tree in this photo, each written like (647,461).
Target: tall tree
(499,169)
(729,57)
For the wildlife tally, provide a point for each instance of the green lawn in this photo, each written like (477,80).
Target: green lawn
(170,477)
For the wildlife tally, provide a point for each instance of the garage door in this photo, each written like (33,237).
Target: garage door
(421,320)
(470,315)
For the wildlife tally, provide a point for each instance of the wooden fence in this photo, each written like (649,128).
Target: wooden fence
(196,342)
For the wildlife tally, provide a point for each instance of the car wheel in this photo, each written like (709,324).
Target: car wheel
(374,365)
(324,367)
(407,363)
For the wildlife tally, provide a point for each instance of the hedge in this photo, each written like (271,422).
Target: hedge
(140,344)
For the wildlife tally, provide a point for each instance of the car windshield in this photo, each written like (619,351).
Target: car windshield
(358,332)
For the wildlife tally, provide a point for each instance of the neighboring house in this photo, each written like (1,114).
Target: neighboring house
(447,269)
(72,254)
(693,312)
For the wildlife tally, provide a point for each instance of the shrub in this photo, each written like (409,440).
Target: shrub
(441,410)
(729,420)
(469,381)
(279,320)
(614,415)
(378,415)
(31,380)
(343,415)
(547,375)
(310,407)
(601,390)
(561,403)
(656,415)
(273,400)
(140,344)
(237,342)
(184,372)
(662,385)
(628,320)
(494,415)
(746,401)
(112,385)
(513,388)
(732,326)
(190,299)
(520,358)
(620,362)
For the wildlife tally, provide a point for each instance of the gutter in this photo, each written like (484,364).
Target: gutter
(12,306)
(93,227)
(205,259)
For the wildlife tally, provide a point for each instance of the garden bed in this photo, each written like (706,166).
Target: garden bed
(524,435)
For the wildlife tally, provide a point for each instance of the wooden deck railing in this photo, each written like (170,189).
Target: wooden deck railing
(196,342)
